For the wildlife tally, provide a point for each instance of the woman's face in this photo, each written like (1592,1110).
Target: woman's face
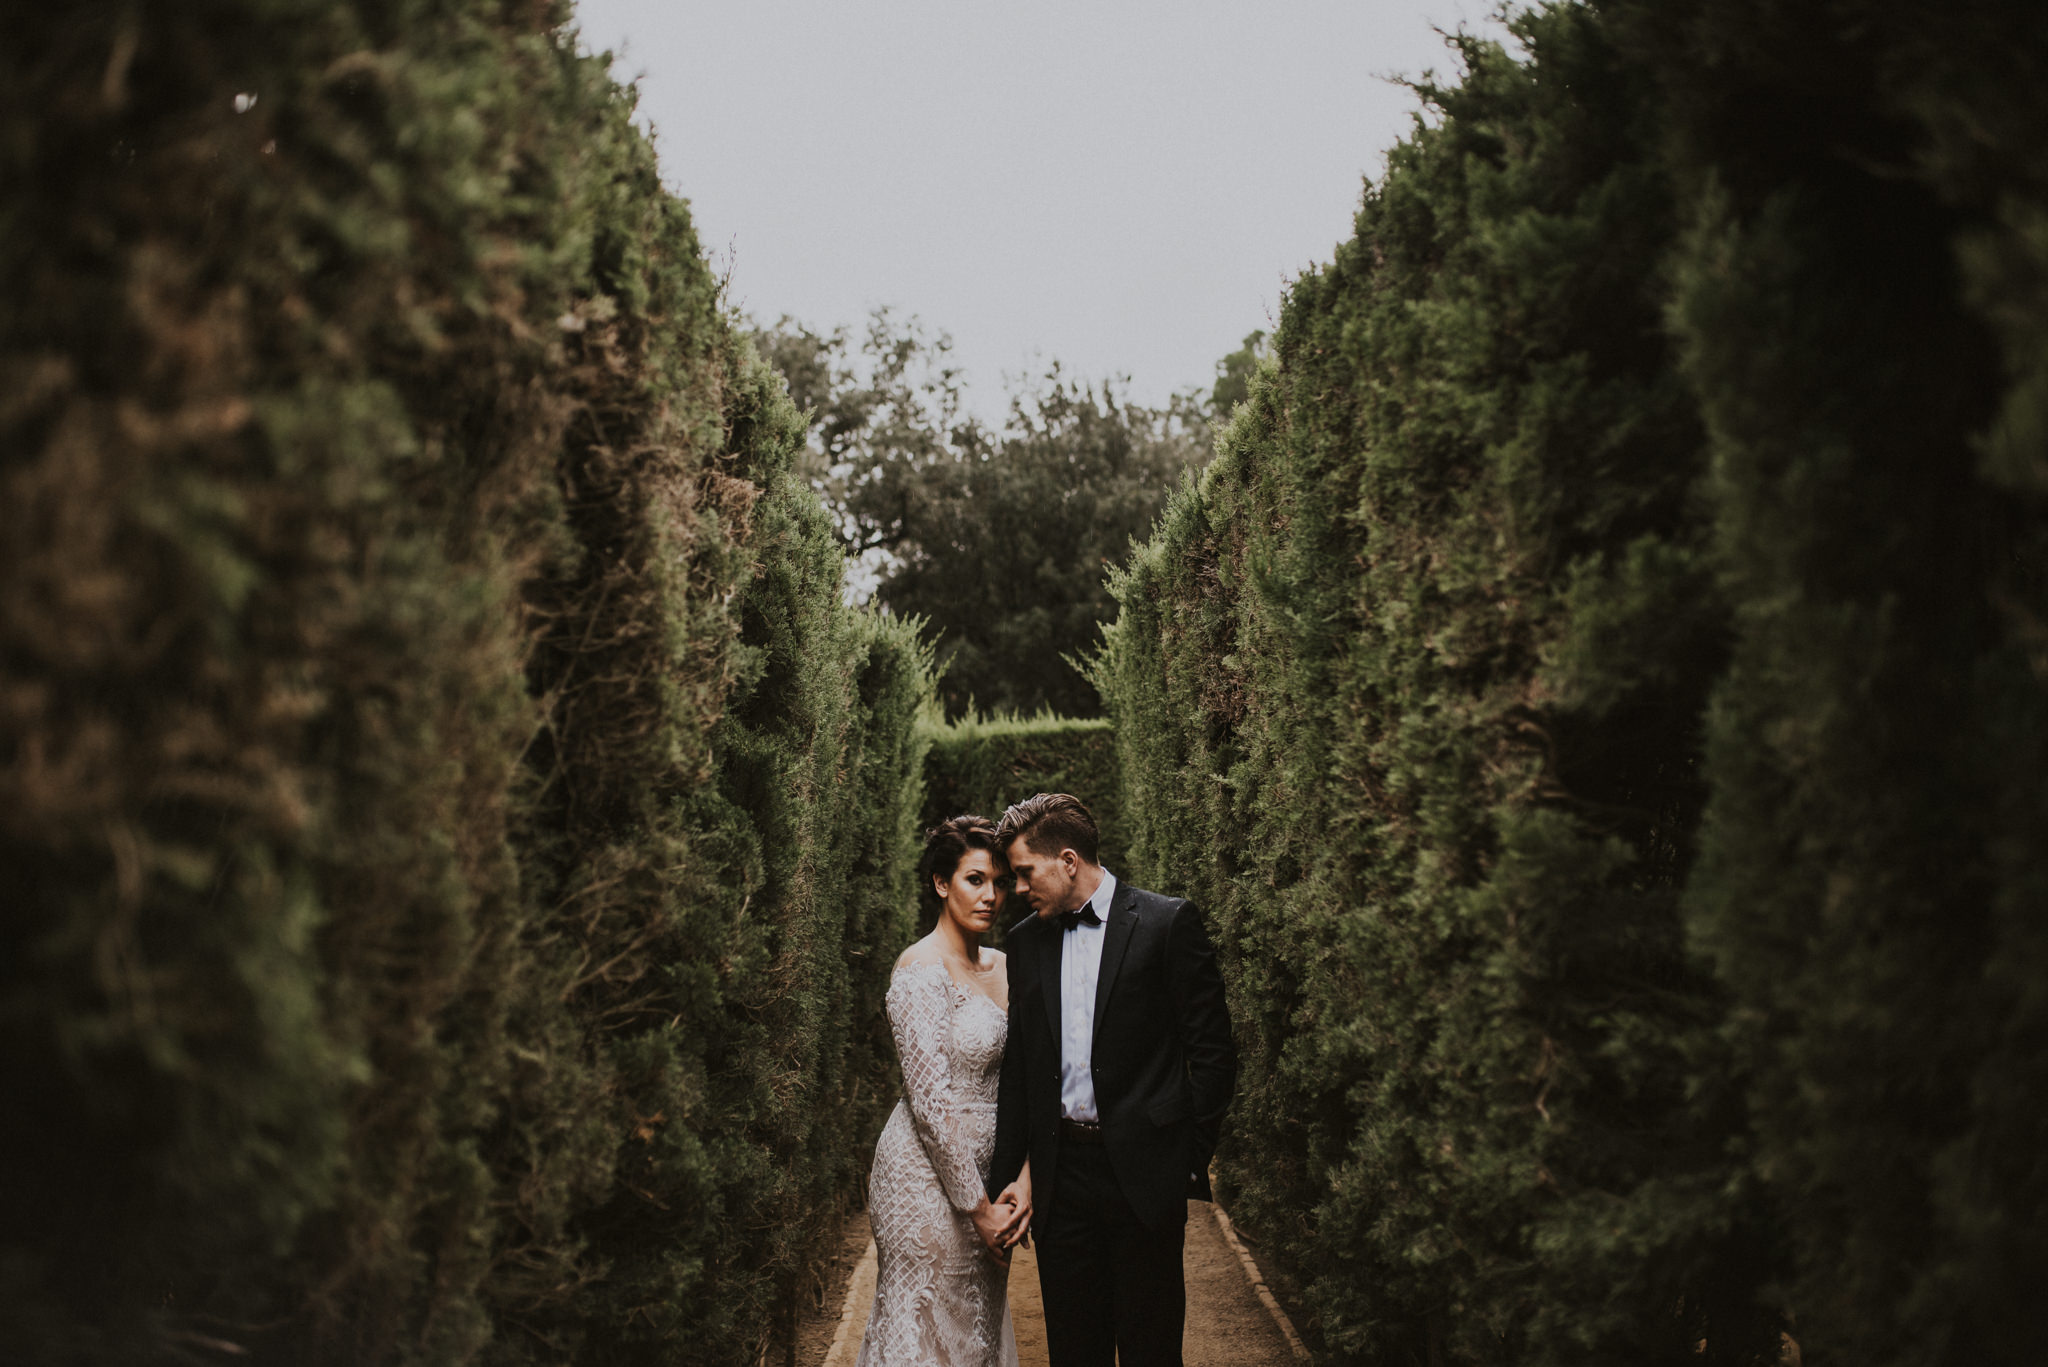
(973,895)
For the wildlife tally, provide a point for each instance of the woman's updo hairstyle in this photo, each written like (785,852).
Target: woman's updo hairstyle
(945,845)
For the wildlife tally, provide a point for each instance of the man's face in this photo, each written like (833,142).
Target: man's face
(1044,881)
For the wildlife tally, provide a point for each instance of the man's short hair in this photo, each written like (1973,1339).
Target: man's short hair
(1049,823)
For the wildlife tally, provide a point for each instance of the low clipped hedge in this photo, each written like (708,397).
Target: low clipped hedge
(1592,692)
(451,832)
(982,765)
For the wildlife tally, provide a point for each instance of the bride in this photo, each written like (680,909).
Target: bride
(942,1247)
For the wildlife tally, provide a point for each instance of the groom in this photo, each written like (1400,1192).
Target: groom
(1117,1073)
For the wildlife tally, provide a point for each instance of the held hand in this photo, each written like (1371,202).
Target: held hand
(1016,1227)
(990,1220)
(1018,1197)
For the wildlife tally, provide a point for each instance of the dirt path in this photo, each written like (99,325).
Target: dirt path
(1230,1323)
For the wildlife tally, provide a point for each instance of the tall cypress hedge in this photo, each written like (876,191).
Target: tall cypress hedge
(1597,690)
(1859,298)
(453,835)
(1409,687)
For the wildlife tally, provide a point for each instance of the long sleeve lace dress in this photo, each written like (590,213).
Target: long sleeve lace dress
(940,1299)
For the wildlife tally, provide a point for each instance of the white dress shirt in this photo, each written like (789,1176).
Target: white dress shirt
(1080,967)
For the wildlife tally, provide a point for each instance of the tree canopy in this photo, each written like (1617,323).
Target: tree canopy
(999,539)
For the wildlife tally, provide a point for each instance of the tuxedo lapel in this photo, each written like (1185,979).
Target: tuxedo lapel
(1048,950)
(1116,937)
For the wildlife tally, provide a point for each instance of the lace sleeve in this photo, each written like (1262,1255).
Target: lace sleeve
(920,1013)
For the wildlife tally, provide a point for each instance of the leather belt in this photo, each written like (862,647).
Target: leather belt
(1080,1131)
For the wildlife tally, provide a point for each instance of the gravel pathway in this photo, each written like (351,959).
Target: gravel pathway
(1232,1320)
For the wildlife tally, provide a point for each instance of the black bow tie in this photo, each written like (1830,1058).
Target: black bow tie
(1084,917)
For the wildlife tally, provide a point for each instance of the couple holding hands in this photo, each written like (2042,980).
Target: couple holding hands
(1071,1090)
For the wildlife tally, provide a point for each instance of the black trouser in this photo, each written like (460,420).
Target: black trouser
(1113,1288)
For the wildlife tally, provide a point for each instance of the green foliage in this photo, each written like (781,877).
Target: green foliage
(1234,376)
(454,836)
(999,541)
(1859,301)
(886,420)
(1598,689)
(1011,571)
(981,765)
(1408,689)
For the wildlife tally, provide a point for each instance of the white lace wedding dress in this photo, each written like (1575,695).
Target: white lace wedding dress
(940,1299)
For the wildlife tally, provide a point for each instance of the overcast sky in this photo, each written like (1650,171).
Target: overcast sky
(1124,186)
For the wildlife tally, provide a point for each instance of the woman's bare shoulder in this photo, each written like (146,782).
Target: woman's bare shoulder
(925,951)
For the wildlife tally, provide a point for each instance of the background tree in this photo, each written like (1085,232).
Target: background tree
(1234,375)
(999,539)
(887,416)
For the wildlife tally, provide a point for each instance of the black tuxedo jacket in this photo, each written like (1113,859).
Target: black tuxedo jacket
(1163,1061)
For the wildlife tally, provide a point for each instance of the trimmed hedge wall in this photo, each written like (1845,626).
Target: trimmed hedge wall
(982,765)
(452,835)
(1593,692)
(1860,301)
(1409,684)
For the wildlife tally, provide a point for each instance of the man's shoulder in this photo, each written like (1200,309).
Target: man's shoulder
(1024,928)
(1148,903)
